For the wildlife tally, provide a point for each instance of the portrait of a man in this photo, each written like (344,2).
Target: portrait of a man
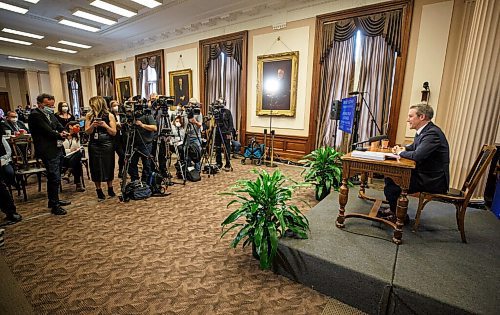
(124,89)
(277,84)
(181,86)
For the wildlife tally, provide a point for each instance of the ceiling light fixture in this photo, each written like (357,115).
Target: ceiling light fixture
(112,8)
(11,31)
(32,1)
(15,41)
(65,42)
(79,25)
(20,58)
(148,3)
(93,17)
(62,49)
(12,8)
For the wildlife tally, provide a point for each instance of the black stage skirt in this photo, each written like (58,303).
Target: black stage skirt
(102,159)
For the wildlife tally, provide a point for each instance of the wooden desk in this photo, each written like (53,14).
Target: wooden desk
(398,170)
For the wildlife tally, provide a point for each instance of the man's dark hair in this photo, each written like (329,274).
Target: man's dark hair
(39,98)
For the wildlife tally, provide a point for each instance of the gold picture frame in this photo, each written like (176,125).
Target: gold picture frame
(124,89)
(181,85)
(277,84)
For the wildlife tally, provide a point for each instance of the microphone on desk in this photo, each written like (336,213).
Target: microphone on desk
(356,92)
(370,140)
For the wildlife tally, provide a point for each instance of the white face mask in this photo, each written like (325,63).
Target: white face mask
(115,109)
(64,109)
(14,120)
(177,124)
(49,110)
(179,108)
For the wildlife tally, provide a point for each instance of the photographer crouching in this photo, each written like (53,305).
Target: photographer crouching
(224,122)
(145,129)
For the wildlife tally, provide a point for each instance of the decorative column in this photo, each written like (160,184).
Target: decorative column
(477,111)
(55,81)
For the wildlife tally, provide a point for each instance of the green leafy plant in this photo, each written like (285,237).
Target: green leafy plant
(264,206)
(324,170)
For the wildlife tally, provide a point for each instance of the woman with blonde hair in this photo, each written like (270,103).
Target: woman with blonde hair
(100,124)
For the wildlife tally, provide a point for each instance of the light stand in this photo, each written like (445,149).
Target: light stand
(271,133)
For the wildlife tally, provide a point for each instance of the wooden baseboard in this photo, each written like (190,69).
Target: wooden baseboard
(287,147)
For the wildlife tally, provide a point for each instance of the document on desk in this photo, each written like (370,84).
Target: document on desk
(378,156)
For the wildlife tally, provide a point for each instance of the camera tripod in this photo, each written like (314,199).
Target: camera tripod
(163,143)
(130,151)
(207,158)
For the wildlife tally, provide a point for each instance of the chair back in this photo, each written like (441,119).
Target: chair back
(478,168)
(23,151)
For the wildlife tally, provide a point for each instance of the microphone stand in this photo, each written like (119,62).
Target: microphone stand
(271,133)
(357,118)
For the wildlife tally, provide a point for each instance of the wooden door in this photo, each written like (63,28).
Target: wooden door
(4,102)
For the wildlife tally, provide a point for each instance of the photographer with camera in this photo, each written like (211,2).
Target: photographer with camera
(224,122)
(193,131)
(145,129)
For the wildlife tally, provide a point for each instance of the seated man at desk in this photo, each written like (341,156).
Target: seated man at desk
(431,154)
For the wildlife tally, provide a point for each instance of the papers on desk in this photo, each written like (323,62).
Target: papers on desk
(370,155)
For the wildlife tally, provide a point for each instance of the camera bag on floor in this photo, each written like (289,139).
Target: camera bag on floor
(155,183)
(192,175)
(137,190)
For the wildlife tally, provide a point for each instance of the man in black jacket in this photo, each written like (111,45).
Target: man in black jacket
(224,121)
(6,178)
(431,153)
(48,135)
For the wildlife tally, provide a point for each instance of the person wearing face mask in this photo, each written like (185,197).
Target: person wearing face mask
(63,115)
(48,135)
(120,140)
(13,124)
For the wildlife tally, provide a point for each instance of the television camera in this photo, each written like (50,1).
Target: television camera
(215,109)
(136,108)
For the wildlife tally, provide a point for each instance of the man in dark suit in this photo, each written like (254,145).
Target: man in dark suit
(13,124)
(48,135)
(7,204)
(431,153)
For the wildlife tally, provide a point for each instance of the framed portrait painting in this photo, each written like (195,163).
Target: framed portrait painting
(181,86)
(124,89)
(105,79)
(277,84)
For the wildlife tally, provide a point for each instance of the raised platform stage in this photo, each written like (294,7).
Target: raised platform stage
(432,272)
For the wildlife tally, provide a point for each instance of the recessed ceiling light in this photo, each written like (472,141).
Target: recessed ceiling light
(62,49)
(148,3)
(93,17)
(11,31)
(32,1)
(65,42)
(20,58)
(112,8)
(79,25)
(12,8)
(5,39)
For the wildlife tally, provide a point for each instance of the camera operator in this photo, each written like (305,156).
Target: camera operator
(119,139)
(195,120)
(145,132)
(224,121)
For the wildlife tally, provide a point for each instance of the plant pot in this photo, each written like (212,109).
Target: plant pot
(323,194)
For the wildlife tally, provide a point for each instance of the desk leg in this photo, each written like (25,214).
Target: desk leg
(400,214)
(343,194)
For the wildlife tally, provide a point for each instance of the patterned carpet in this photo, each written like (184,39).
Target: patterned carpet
(159,256)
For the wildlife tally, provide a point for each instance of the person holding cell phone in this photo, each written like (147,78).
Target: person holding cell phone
(100,124)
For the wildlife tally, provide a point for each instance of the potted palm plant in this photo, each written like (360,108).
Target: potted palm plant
(264,206)
(323,168)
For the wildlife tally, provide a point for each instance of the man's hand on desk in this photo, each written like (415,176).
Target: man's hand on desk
(397,149)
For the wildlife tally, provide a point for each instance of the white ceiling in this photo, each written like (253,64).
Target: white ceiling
(172,20)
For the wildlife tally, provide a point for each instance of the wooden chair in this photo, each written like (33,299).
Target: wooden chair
(460,198)
(25,163)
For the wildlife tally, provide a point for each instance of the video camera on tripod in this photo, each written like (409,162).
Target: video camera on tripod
(215,109)
(192,109)
(136,108)
(164,103)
